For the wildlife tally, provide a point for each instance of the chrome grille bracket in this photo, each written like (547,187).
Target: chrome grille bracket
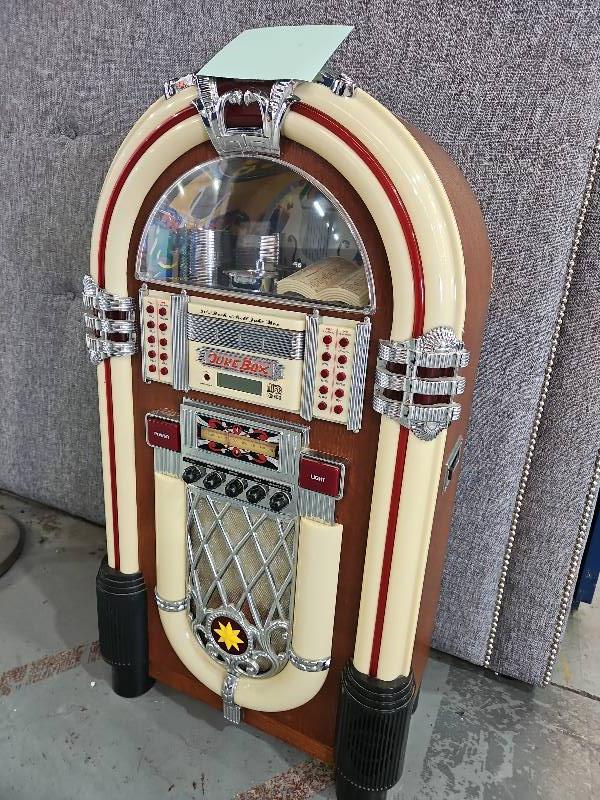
(397,392)
(106,335)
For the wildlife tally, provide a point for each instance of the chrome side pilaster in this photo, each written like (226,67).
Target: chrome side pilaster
(179,305)
(359,374)
(311,336)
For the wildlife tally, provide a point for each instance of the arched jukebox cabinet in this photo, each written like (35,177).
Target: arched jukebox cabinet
(287,294)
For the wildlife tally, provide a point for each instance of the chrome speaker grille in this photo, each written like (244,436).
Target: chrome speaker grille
(241,570)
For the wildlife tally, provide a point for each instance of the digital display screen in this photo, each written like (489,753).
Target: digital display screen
(228,381)
(242,443)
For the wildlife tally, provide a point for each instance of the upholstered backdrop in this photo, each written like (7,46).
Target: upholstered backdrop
(510,89)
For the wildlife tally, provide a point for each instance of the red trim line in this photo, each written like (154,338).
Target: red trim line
(110,207)
(112,461)
(418,321)
(388,185)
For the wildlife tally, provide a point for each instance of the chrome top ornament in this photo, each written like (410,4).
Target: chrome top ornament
(241,140)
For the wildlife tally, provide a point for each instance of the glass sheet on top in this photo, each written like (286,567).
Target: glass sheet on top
(258,227)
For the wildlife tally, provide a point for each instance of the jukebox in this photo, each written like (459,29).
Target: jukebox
(286,301)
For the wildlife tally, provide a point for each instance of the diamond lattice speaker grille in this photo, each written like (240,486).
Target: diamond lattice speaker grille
(242,564)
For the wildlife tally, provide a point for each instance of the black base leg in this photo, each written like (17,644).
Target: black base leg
(372,728)
(123,629)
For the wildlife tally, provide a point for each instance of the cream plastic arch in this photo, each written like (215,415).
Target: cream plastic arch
(437,234)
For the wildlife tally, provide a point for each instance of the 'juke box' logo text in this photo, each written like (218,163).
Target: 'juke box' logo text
(247,365)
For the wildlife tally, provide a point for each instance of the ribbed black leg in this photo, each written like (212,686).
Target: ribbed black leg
(123,629)
(372,728)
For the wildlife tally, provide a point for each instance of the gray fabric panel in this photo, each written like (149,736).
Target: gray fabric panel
(510,89)
(563,463)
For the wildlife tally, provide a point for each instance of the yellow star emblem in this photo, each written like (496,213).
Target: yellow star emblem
(228,636)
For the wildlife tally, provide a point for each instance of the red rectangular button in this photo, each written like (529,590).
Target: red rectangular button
(162,432)
(320,476)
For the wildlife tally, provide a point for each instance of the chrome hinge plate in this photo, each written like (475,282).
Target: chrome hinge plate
(341,84)
(101,327)
(438,349)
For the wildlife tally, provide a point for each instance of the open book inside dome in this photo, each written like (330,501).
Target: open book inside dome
(259,227)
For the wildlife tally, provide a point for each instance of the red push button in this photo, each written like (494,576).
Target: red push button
(164,371)
(323,389)
(161,327)
(322,406)
(326,357)
(338,409)
(341,376)
(151,353)
(152,368)
(342,359)
(164,356)
(339,392)
(344,342)
(150,309)
(151,340)
(163,433)
(163,342)
(327,339)
(162,311)
(320,476)
(324,373)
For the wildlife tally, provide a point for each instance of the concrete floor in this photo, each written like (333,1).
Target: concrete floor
(65,736)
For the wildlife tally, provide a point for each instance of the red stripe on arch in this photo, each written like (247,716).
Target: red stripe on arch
(110,207)
(417,329)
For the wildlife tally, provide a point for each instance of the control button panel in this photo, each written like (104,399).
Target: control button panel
(335,357)
(156,337)
(321,476)
(243,489)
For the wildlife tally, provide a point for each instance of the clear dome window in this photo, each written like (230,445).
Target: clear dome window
(259,227)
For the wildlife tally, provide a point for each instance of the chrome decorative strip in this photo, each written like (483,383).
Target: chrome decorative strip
(231,711)
(167,462)
(583,211)
(187,416)
(142,294)
(232,141)
(247,337)
(573,571)
(429,386)
(100,328)
(309,664)
(439,348)
(359,374)
(309,371)
(341,85)
(317,506)
(179,305)
(170,605)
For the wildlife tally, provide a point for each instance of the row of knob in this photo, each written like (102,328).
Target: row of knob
(234,487)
